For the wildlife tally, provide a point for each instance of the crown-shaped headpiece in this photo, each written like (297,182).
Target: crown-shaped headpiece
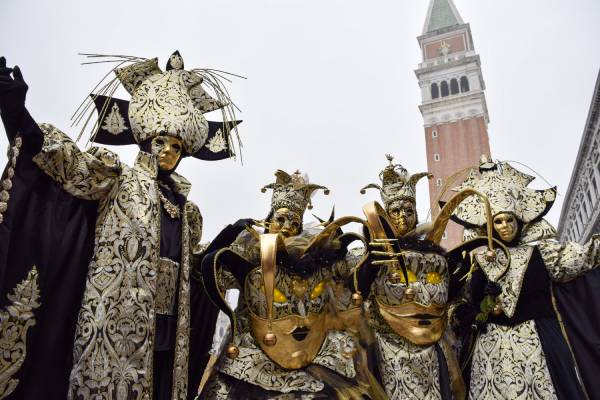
(292,191)
(396,183)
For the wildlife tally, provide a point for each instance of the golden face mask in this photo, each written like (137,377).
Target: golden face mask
(421,325)
(403,215)
(292,342)
(285,222)
(505,224)
(167,150)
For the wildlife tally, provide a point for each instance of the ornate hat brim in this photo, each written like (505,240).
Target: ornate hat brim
(114,129)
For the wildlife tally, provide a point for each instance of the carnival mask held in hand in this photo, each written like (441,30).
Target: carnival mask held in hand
(505,224)
(167,150)
(398,192)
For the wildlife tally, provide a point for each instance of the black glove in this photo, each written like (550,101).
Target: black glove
(466,316)
(13,91)
(243,223)
(492,289)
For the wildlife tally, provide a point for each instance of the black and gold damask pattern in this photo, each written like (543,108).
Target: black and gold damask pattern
(507,191)
(166,284)
(15,320)
(509,363)
(510,278)
(566,261)
(408,371)
(115,328)
(427,276)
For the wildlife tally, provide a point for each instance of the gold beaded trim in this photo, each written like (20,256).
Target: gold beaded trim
(171,209)
(9,173)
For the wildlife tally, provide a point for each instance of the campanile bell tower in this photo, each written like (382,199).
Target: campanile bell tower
(453,106)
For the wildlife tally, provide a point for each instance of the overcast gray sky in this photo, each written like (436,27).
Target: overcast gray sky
(330,85)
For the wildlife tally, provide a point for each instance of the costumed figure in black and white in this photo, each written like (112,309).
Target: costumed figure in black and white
(405,283)
(286,342)
(521,319)
(95,256)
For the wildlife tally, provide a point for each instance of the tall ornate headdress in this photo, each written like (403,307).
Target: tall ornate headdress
(171,102)
(507,191)
(292,192)
(396,184)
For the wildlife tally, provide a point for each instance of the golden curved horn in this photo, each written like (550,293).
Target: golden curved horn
(440,223)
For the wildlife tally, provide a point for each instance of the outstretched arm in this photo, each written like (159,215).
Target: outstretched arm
(86,175)
(566,261)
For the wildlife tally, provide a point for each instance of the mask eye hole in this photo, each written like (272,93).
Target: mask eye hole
(160,141)
(176,147)
(280,220)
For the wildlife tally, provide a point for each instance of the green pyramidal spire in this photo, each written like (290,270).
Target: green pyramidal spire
(441,14)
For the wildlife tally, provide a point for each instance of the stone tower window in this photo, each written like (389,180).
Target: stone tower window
(435,91)
(444,86)
(438,182)
(454,86)
(434,134)
(436,157)
(464,84)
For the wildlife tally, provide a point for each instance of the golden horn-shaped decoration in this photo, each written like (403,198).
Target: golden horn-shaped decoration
(270,243)
(440,223)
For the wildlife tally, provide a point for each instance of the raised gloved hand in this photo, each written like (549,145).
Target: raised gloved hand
(243,223)
(13,91)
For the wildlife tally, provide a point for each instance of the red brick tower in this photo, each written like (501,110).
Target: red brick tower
(453,103)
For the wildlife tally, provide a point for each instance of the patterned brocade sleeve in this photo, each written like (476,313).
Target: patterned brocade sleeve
(566,261)
(87,175)
(194,217)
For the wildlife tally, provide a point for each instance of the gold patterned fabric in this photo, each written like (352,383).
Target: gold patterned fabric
(396,184)
(115,328)
(506,189)
(166,284)
(409,371)
(509,363)
(15,321)
(566,261)
(294,295)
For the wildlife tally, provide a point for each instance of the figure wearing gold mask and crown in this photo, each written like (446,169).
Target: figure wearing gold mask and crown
(405,284)
(286,343)
(95,266)
(530,327)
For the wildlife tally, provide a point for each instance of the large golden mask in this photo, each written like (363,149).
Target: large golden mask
(292,341)
(419,323)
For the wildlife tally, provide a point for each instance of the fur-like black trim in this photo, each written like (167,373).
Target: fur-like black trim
(420,245)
